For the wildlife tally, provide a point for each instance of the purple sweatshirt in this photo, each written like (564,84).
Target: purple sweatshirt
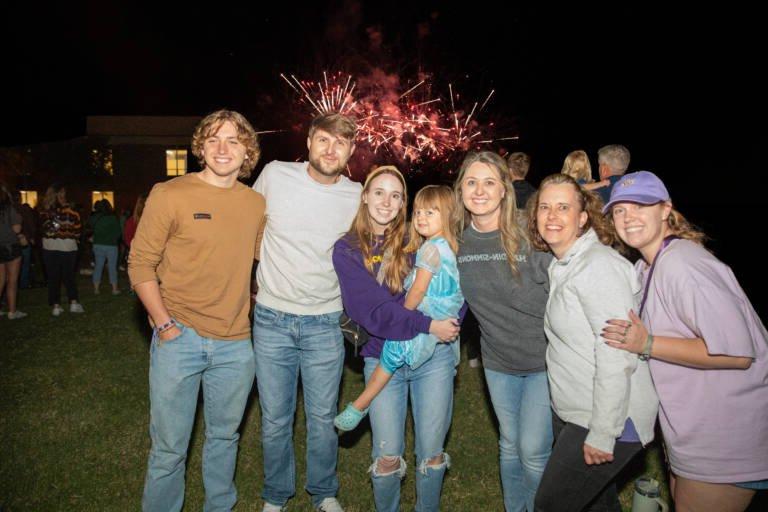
(372,305)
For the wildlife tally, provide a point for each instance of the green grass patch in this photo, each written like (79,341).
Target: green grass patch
(74,405)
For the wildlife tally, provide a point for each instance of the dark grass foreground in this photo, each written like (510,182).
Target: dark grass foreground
(74,416)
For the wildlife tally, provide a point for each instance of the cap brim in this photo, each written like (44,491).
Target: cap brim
(633,198)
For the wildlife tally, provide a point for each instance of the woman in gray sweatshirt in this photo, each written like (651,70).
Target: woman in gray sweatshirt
(604,402)
(505,284)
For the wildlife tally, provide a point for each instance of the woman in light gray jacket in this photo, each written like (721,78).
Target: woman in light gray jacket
(603,399)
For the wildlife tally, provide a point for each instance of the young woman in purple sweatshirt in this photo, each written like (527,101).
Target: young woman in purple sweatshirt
(371,265)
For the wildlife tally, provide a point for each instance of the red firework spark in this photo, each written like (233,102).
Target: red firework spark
(412,125)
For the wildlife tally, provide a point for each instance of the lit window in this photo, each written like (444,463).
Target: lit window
(102,159)
(29,197)
(98,195)
(176,162)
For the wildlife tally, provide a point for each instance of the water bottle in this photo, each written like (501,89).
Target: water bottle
(647,497)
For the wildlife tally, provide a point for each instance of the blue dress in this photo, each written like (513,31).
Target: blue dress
(442,300)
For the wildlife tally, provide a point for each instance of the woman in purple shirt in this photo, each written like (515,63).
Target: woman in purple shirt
(372,265)
(707,347)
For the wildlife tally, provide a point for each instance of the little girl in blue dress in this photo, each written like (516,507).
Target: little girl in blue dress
(433,288)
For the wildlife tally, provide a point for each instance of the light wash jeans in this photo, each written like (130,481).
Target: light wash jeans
(286,345)
(176,370)
(431,391)
(102,253)
(522,406)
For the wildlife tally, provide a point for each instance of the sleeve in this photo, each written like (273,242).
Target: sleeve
(152,233)
(370,304)
(428,258)
(260,232)
(713,307)
(540,264)
(261,182)
(606,290)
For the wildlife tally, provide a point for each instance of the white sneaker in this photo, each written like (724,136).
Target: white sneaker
(330,505)
(76,307)
(57,310)
(16,315)
(268,507)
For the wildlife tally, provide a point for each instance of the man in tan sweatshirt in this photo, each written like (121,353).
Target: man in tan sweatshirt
(190,265)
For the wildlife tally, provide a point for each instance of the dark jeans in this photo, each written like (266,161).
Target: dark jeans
(569,484)
(60,266)
(26,259)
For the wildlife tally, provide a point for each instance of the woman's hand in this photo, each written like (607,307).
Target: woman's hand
(445,330)
(594,456)
(629,335)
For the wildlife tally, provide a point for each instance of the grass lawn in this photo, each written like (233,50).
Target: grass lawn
(74,415)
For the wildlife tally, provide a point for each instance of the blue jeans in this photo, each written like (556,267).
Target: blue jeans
(102,253)
(431,392)
(176,370)
(285,346)
(522,406)
(26,259)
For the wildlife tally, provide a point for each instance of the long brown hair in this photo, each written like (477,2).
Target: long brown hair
(440,198)
(589,202)
(511,233)
(396,263)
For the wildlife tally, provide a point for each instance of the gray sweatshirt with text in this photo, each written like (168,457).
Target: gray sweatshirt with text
(510,309)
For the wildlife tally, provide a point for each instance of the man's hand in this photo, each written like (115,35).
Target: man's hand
(169,334)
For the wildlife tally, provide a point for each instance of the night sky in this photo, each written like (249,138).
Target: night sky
(681,89)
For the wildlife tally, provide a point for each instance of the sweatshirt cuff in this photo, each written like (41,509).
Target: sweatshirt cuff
(603,442)
(424,323)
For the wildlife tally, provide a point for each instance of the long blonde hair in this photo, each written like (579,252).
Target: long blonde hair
(395,263)
(513,236)
(440,198)
(576,165)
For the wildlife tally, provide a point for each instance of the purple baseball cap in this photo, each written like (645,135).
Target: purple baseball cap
(641,187)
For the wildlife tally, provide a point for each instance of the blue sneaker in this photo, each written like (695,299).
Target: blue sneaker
(349,418)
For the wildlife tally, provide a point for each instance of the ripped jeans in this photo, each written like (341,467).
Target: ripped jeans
(431,392)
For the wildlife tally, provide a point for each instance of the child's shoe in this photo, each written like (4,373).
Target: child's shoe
(349,418)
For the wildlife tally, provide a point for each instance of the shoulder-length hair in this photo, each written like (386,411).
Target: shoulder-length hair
(51,197)
(589,202)
(396,263)
(511,232)
(576,165)
(245,134)
(440,198)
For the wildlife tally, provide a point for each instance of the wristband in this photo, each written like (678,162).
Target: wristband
(167,325)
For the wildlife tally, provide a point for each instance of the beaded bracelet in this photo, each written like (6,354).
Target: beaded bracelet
(167,325)
(646,353)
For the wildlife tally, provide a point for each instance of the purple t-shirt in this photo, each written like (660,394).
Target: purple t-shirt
(715,422)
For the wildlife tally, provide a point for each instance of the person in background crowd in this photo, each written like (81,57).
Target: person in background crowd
(106,236)
(61,229)
(11,242)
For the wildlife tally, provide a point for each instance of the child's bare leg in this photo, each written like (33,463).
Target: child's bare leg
(379,379)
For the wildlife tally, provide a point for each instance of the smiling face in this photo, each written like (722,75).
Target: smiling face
(384,198)
(223,152)
(328,155)
(482,189)
(559,217)
(642,227)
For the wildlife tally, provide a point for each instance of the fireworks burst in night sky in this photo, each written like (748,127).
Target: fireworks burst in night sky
(412,124)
